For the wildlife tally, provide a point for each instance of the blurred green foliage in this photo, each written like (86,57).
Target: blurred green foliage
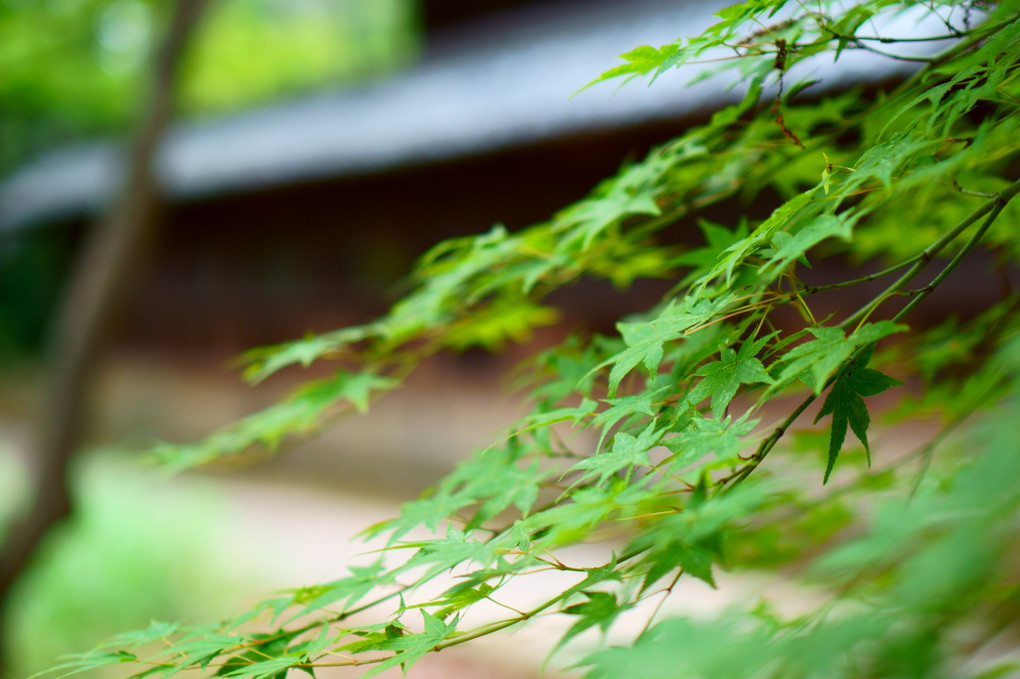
(134,552)
(301,45)
(75,67)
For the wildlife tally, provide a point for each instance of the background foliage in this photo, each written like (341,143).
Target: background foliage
(73,68)
(133,553)
(667,440)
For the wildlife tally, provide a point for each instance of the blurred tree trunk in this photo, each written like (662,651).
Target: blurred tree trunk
(97,290)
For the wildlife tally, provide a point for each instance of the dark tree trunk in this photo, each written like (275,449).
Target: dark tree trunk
(97,290)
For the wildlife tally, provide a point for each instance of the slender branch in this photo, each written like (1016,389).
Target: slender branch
(813,289)
(1000,203)
(992,210)
(766,446)
(658,606)
(976,36)
(929,253)
(933,38)
(897,57)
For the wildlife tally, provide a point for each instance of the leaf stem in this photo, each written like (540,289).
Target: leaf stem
(999,203)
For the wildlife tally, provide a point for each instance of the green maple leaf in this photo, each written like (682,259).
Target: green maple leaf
(645,339)
(356,387)
(717,239)
(785,215)
(593,216)
(722,378)
(462,596)
(845,403)
(704,435)
(815,361)
(345,591)
(267,658)
(548,417)
(627,452)
(510,486)
(600,609)
(568,370)
(457,548)
(639,61)
(695,560)
(788,247)
(626,406)
(409,648)
(265,361)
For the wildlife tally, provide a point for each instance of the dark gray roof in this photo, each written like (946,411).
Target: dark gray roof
(502,82)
